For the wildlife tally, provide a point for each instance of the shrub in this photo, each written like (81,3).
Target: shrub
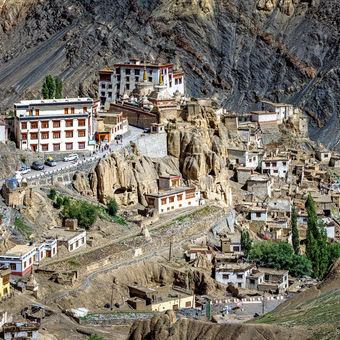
(59,202)
(53,194)
(84,212)
(112,207)
(66,201)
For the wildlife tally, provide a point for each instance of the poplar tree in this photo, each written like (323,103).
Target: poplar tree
(316,246)
(51,86)
(245,242)
(58,88)
(44,91)
(295,232)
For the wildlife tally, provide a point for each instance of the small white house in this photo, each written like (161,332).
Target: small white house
(194,251)
(283,111)
(276,166)
(264,117)
(234,274)
(248,159)
(157,128)
(258,214)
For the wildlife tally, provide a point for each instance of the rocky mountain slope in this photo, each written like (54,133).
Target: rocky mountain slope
(239,50)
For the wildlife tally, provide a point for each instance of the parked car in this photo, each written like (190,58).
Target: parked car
(50,162)
(23,170)
(147,130)
(118,137)
(37,166)
(71,157)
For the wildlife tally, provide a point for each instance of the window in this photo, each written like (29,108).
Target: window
(56,123)
(69,146)
(81,122)
(284,163)
(258,214)
(239,285)
(276,171)
(267,164)
(29,334)
(137,72)
(81,133)
(69,134)
(44,147)
(25,264)
(187,304)
(56,147)
(136,79)
(110,87)
(274,164)
(66,111)
(69,123)
(240,276)
(127,71)
(31,112)
(34,125)
(77,244)
(72,110)
(13,266)
(103,94)
(53,251)
(24,125)
(150,79)
(109,94)
(179,197)
(34,135)
(103,86)
(128,86)
(81,145)
(44,135)
(24,136)
(127,79)
(56,134)
(44,125)
(189,194)
(163,201)
(225,276)
(180,80)
(171,199)
(37,112)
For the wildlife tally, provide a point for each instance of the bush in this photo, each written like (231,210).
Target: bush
(112,207)
(59,202)
(333,250)
(66,201)
(53,194)
(84,212)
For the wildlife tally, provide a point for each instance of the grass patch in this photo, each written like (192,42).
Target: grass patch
(102,213)
(73,263)
(24,229)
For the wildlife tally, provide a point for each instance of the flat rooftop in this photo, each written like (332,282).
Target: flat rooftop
(177,190)
(20,250)
(63,234)
(53,101)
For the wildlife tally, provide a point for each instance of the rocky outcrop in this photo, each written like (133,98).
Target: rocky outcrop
(244,50)
(126,180)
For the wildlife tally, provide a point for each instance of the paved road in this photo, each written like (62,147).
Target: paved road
(133,134)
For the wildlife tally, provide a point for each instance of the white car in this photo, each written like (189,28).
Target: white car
(23,170)
(71,157)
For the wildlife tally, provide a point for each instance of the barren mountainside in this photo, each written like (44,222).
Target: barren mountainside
(238,50)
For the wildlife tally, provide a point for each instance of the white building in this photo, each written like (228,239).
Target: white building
(258,214)
(51,125)
(21,258)
(276,166)
(233,273)
(283,111)
(124,77)
(194,251)
(171,196)
(72,240)
(248,159)
(264,117)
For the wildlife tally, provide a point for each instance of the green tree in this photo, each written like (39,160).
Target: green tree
(245,242)
(66,201)
(316,245)
(53,194)
(112,207)
(333,252)
(44,91)
(300,266)
(58,88)
(59,202)
(51,86)
(295,232)
(84,212)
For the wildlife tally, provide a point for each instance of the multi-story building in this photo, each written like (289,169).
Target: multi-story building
(4,282)
(20,258)
(276,166)
(51,125)
(124,77)
(249,159)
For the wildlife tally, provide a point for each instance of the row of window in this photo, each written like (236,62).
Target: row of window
(274,164)
(56,134)
(36,112)
(56,146)
(56,124)
(78,243)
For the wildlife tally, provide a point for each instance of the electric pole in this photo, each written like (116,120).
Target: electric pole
(170,248)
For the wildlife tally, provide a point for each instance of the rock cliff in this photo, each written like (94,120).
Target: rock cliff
(240,50)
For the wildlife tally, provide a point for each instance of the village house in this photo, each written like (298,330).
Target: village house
(232,273)
(125,77)
(157,128)
(160,299)
(283,111)
(21,258)
(110,125)
(258,214)
(21,330)
(261,117)
(5,288)
(172,196)
(335,161)
(260,186)
(194,251)
(51,125)
(248,159)
(324,156)
(243,173)
(268,280)
(275,166)
(230,246)
(72,240)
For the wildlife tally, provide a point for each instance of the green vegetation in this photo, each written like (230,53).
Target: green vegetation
(112,207)
(333,250)
(73,263)
(52,88)
(280,256)
(120,220)
(295,232)
(22,227)
(84,212)
(95,337)
(245,243)
(52,194)
(59,202)
(11,113)
(316,246)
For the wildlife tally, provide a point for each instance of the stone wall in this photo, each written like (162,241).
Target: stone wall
(153,145)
